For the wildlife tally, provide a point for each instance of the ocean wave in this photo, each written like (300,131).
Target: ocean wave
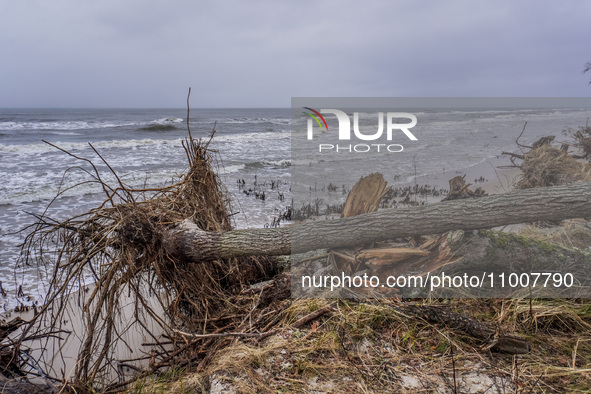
(231,169)
(64,125)
(81,124)
(250,137)
(27,187)
(40,191)
(41,148)
(158,127)
(279,163)
(256,120)
(169,120)
(270,163)
(65,133)
(163,124)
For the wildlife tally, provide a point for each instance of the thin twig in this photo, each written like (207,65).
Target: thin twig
(188,112)
(517,140)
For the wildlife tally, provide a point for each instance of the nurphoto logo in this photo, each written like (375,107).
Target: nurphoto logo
(344,130)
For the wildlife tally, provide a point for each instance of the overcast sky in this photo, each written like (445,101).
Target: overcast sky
(237,53)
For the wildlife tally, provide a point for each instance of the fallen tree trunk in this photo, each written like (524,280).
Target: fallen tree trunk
(191,244)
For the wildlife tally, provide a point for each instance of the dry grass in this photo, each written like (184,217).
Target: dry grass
(548,166)
(574,233)
(368,346)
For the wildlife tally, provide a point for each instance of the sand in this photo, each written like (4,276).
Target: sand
(497,180)
(57,356)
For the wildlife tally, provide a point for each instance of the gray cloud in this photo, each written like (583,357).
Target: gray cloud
(261,53)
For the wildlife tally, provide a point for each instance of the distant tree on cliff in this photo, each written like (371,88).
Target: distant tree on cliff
(587,68)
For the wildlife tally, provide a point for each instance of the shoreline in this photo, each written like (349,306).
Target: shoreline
(496,180)
(54,354)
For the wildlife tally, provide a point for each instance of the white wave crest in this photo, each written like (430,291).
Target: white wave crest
(68,125)
(257,120)
(81,124)
(41,148)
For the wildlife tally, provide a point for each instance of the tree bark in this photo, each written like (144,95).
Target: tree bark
(186,241)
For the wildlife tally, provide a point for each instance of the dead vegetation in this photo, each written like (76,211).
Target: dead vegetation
(581,137)
(549,166)
(544,165)
(373,346)
(573,233)
(118,248)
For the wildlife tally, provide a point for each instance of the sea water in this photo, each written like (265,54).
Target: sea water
(144,148)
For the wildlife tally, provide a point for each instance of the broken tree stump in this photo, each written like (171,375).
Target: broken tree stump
(365,196)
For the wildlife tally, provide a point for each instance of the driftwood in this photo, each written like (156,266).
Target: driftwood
(511,154)
(10,326)
(188,243)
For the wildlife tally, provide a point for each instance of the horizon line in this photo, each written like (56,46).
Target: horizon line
(183,108)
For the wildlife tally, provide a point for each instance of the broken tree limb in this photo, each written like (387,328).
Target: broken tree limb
(191,244)
(513,155)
